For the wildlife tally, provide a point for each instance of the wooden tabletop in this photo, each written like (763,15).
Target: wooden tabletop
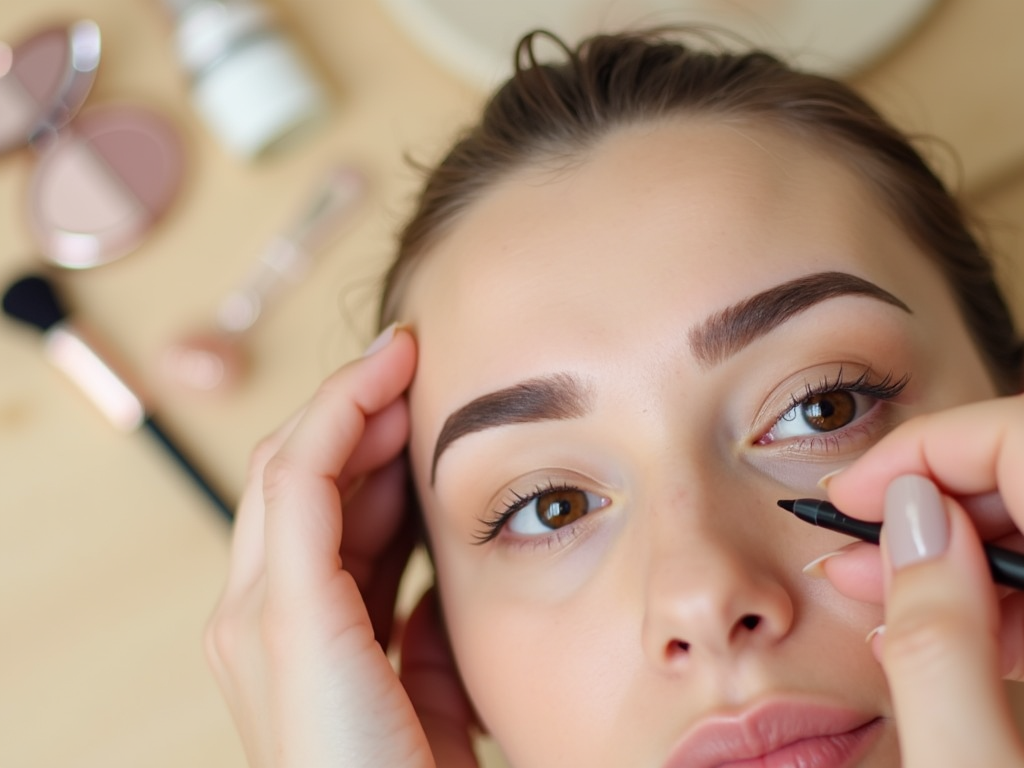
(110,560)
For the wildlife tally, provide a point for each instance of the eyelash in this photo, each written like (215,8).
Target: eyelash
(492,527)
(887,388)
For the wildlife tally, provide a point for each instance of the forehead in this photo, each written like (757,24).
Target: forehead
(654,229)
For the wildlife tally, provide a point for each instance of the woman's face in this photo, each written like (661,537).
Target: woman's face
(618,378)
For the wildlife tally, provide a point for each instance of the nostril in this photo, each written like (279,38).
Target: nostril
(750,621)
(679,646)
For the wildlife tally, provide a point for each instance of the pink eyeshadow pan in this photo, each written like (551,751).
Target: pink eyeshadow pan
(105,176)
(98,191)
(41,67)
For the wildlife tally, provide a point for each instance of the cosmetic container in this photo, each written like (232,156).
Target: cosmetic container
(248,80)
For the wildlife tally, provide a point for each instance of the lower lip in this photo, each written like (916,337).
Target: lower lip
(839,750)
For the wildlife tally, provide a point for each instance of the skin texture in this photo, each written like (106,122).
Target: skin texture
(679,597)
(600,271)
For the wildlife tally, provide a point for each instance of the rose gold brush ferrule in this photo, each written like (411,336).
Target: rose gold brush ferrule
(66,348)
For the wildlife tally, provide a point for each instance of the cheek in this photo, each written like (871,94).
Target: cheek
(540,682)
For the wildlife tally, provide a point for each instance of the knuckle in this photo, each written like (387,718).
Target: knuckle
(926,640)
(261,454)
(220,639)
(278,472)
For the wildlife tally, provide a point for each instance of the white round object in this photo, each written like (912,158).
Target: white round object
(475,38)
(258,95)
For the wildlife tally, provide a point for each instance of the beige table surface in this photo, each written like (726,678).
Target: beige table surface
(110,561)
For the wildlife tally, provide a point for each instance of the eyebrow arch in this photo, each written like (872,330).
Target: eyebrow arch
(546,398)
(726,332)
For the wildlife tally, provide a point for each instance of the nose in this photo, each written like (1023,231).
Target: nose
(711,597)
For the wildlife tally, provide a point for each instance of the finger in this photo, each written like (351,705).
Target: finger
(432,682)
(385,436)
(969,450)
(855,571)
(939,647)
(379,537)
(303,516)
(374,513)
(1011,639)
(245,565)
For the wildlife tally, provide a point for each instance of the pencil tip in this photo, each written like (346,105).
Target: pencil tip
(787,504)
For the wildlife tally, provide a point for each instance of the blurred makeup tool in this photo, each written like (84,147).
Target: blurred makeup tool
(213,360)
(249,81)
(1007,566)
(32,300)
(104,176)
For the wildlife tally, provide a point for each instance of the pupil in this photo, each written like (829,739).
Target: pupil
(829,411)
(559,508)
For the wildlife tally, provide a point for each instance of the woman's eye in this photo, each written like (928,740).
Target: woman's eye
(552,509)
(818,414)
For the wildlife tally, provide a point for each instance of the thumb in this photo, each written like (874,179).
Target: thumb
(432,682)
(940,645)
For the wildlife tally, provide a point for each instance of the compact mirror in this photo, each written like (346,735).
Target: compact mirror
(104,176)
(44,81)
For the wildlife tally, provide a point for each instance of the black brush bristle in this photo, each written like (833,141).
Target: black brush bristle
(32,300)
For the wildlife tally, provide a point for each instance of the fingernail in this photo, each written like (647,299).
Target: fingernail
(915,527)
(381,341)
(815,569)
(827,478)
(879,630)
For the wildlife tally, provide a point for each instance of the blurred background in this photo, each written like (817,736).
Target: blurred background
(241,267)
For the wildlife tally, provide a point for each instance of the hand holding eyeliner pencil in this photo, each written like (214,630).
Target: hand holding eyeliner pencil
(1007,566)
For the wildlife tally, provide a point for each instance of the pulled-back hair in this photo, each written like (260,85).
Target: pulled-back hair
(553,111)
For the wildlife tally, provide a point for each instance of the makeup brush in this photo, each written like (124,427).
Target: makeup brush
(33,301)
(214,359)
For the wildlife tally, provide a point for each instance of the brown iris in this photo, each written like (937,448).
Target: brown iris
(829,411)
(560,507)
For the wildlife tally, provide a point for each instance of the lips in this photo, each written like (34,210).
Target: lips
(778,735)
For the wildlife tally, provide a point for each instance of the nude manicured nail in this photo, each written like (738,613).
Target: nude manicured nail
(879,630)
(827,478)
(816,568)
(916,527)
(381,341)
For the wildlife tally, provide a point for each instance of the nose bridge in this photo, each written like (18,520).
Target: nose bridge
(710,591)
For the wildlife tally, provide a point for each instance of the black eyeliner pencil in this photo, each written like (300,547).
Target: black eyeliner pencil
(1007,566)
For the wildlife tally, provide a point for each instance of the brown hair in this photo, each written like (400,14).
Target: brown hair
(554,111)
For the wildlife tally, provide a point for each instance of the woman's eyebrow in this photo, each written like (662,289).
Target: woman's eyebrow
(546,398)
(726,332)
(721,335)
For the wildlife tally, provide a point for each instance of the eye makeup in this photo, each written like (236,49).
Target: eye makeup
(791,440)
(548,510)
(832,405)
(105,175)
(817,401)
(546,507)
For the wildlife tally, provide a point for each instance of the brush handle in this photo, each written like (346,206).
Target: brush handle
(33,301)
(68,350)
(218,502)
